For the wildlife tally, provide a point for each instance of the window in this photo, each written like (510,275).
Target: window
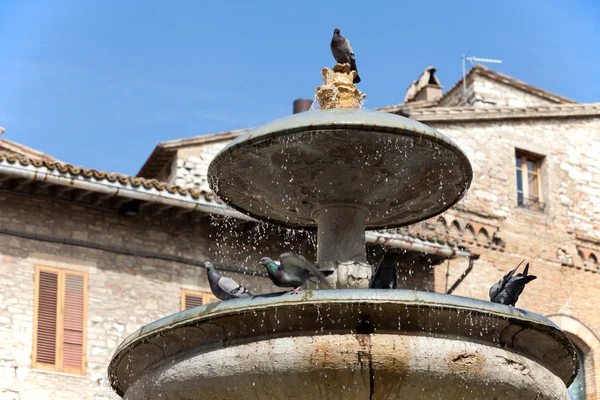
(59,320)
(529,182)
(191,299)
(577,388)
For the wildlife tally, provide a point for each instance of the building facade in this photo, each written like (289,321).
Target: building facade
(86,258)
(110,253)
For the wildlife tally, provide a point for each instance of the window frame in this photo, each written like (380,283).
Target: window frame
(60,314)
(524,172)
(206,297)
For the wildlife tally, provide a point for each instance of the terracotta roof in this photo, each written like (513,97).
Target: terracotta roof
(510,81)
(215,137)
(205,202)
(8,146)
(73,171)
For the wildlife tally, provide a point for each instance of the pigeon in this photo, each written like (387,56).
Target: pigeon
(386,275)
(222,287)
(292,271)
(342,52)
(508,289)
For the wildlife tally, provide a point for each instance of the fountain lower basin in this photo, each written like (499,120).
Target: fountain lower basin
(350,344)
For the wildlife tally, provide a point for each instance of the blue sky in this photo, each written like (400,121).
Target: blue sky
(100,83)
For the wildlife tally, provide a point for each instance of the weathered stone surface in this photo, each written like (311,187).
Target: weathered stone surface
(124,292)
(337,90)
(347,344)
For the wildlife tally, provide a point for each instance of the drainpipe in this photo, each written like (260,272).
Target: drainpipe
(409,243)
(464,274)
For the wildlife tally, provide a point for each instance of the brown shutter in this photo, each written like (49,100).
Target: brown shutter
(73,323)
(192,301)
(59,320)
(46,318)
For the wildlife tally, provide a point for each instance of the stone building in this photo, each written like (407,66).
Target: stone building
(535,195)
(106,253)
(85,259)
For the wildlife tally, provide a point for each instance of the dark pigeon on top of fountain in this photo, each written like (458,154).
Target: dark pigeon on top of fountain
(508,289)
(222,287)
(386,273)
(342,52)
(293,271)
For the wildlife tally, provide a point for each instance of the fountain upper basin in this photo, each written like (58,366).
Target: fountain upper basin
(352,344)
(397,169)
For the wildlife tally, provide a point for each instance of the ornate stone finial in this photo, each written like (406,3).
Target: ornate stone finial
(337,90)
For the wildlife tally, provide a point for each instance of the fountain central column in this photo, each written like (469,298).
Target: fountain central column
(340,234)
(341,245)
(341,170)
(341,226)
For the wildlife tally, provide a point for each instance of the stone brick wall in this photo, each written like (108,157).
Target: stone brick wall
(568,281)
(571,183)
(192,165)
(125,291)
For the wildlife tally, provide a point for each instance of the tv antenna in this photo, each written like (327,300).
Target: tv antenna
(473,60)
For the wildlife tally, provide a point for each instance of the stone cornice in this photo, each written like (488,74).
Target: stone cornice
(502,113)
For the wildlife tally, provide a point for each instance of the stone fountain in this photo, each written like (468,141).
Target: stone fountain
(341,170)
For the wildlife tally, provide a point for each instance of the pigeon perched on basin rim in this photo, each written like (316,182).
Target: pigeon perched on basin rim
(508,289)
(386,273)
(224,288)
(342,52)
(292,271)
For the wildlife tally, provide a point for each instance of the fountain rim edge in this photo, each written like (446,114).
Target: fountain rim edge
(434,136)
(211,311)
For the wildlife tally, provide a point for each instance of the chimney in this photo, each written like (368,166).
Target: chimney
(301,105)
(427,88)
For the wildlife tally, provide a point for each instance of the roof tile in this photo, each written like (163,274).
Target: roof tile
(101,175)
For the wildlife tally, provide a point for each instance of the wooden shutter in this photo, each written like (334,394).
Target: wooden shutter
(46,313)
(72,336)
(191,299)
(59,320)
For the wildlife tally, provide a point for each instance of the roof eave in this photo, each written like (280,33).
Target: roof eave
(117,188)
(504,113)
(201,204)
(158,151)
(26,151)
